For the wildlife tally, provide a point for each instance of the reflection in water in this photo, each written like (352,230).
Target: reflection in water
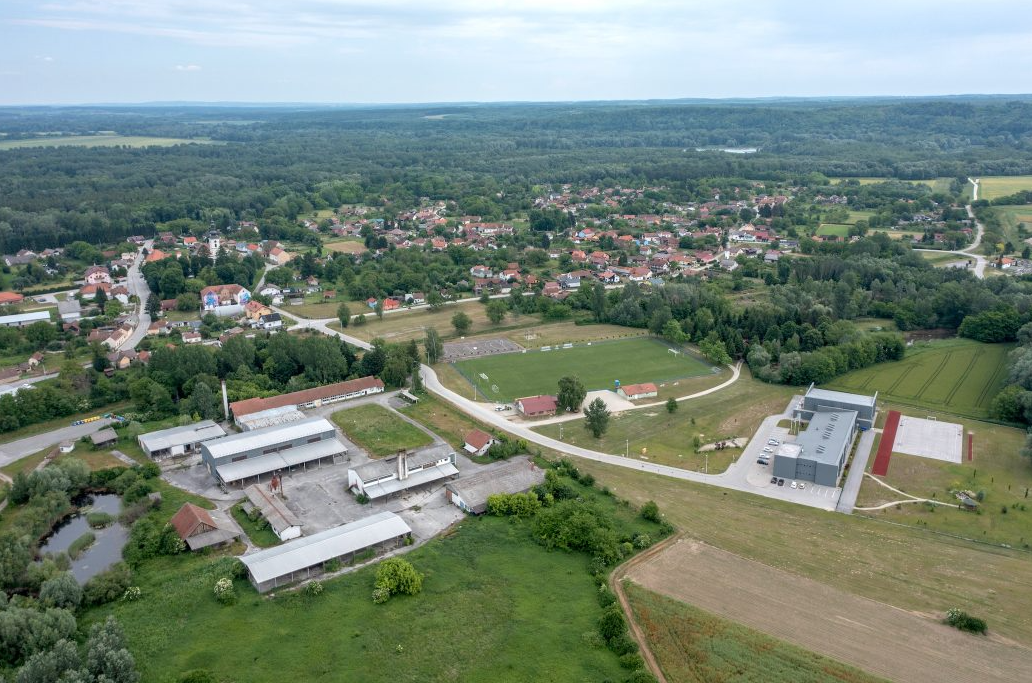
(105,551)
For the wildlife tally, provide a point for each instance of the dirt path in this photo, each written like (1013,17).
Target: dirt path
(616,584)
(878,638)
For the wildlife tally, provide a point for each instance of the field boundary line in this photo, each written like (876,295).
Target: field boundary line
(963,377)
(616,579)
(990,384)
(928,382)
(903,375)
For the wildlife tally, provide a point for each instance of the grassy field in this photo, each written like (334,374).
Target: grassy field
(445,421)
(694,646)
(379,431)
(943,259)
(658,436)
(514,611)
(99,141)
(260,534)
(840,230)
(955,375)
(533,335)
(998,470)
(630,360)
(994,187)
(346,246)
(937,184)
(1010,218)
(405,325)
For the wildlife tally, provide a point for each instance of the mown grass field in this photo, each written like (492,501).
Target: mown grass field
(99,141)
(346,246)
(694,646)
(840,230)
(495,606)
(998,470)
(512,375)
(993,187)
(404,325)
(444,420)
(937,184)
(379,431)
(654,435)
(955,375)
(1010,218)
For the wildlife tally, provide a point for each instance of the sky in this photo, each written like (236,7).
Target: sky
(389,51)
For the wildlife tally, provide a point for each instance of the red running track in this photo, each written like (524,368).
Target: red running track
(888,437)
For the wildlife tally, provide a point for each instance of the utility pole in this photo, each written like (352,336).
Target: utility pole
(707,462)
(560,431)
(627,448)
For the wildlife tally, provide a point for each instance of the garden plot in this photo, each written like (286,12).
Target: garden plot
(929,439)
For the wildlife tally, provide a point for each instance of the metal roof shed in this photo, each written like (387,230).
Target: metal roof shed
(178,440)
(295,560)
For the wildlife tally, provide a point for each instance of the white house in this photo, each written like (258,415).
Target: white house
(633,392)
(478,442)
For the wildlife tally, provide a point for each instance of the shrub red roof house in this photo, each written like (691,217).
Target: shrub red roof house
(197,528)
(633,392)
(478,442)
(536,406)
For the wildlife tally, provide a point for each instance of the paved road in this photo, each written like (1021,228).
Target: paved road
(16,450)
(137,285)
(969,251)
(851,489)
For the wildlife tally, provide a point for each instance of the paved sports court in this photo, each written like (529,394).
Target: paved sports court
(929,439)
(462,350)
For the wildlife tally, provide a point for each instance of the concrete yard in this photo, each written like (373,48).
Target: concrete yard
(463,350)
(929,439)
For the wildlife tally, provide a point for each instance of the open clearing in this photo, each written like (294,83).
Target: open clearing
(599,365)
(379,431)
(346,246)
(956,375)
(694,646)
(994,187)
(405,325)
(893,643)
(99,141)
(840,230)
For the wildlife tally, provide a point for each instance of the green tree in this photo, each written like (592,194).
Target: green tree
(672,331)
(596,418)
(571,394)
(61,591)
(397,576)
(52,665)
(714,350)
(378,310)
(496,310)
(671,405)
(203,401)
(434,300)
(461,322)
(434,346)
(107,655)
(343,314)
(650,511)
(153,306)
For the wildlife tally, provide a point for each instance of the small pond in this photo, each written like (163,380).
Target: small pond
(105,551)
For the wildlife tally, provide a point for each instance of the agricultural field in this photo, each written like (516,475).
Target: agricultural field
(509,376)
(99,141)
(955,375)
(897,234)
(941,260)
(840,230)
(937,184)
(694,646)
(346,246)
(488,572)
(379,431)
(994,187)
(884,641)
(909,568)
(997,470)
(1011,217)
(654,435)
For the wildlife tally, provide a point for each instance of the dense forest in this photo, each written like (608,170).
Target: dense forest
(276,162)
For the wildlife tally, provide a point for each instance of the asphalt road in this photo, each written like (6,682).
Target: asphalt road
(16,450)
(851,489)
(137,285)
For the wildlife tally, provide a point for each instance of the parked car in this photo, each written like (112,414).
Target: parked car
(794,485)
(802,485)
(500,407)
(768,449)
(761,461)
(774,480)
(773,442)
(781,482)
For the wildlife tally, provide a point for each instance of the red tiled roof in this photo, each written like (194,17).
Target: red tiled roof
(478,439)
(189,518)
(635,389)
(11,298)
(537,404)
(253,405)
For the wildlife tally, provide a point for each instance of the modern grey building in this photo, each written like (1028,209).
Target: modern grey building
(816,399)
(183,440)
(819,454)
(249,455)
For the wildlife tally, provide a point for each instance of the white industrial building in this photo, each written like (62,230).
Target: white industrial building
(283,522)
(516,476)
(23,319)
(270,418)
(300,559)
(185,440)
(247,456)
(380,478)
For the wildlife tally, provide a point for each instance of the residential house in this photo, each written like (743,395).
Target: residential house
(157,328)
(191,337)
(536,406)
(253,310)
(280,256)
(478,442)
(270,321)
(633,392)
(639,274)
(415,298)
(10,298)
(481,271)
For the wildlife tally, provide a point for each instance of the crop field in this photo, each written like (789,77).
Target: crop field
(994,187)
(884,641)
(957,376)
(937,184)
(379,431)
(346,246)
(694,646)
(897,234)
(840,230)
(98,141)
(509,376)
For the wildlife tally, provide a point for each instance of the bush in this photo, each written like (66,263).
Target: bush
(397,576)
(313,589)
(99,520)
(965,622)
(606,597)
(513,504)
(611,625)
(650,512)
(641,676)
(632,661)
(107,586)
(224,591)
(132,594)
(61,591)
(381,595)
(198,676)
(331,565)
(150,470)
(80,544)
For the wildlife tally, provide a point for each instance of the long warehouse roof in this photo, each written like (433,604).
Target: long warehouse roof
(252,467)
(180,436)
(263,438)
(309,551)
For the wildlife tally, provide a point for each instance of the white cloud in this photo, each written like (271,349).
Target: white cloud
(187,67)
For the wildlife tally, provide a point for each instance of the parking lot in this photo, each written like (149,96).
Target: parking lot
(462,350)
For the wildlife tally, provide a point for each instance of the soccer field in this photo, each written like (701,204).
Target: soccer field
(513,375)
(957,376)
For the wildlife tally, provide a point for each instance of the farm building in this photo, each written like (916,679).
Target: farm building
(815,399)
(283,522)
(183,440)
(105,437)
(516,476)
(310,398)
(477,442)
(240,457)
(536,406)
(380,478)
(23,319)
(632,392)
(819,453)
(199,529)
(269,418)
(301,558)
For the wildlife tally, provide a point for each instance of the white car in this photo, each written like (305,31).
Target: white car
(773,442)
(802,485)
(500,407)
(768,449)
(794,485)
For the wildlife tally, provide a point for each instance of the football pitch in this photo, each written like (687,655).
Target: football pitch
(509,376)
(956,376)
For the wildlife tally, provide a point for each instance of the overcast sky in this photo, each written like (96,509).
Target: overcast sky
(88,51)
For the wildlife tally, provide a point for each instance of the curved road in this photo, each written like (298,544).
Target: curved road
(968,251)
